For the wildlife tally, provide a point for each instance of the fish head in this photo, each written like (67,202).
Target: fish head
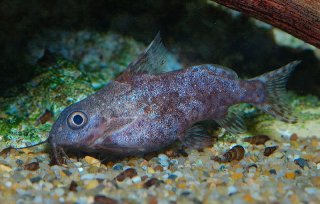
(75,125)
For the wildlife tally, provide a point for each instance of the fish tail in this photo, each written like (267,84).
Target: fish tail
(275,89)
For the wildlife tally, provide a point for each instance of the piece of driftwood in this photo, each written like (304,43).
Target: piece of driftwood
(300,18)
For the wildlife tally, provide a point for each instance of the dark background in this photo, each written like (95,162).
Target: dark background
(195,30)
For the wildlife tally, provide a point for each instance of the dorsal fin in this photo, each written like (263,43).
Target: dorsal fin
(226,71)
(153,60)
(218,70)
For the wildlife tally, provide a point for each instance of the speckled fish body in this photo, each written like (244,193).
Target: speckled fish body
(145,110)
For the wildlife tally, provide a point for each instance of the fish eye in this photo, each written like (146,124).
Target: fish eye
(77,120)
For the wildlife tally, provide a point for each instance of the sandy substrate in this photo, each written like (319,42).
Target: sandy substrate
(290,174)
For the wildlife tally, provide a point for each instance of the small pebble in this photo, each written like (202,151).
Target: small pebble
(298,172)
(178,173)
(87,177)
(59,191)
(118,167)
(172,177)
(302,163)
(128,173)
(290,175)
(92,184)
(35,179)
(5,168)
(151,182)
(163,157)
(237,176)
(136,179)
(19,162)
(311,190)
(174,161)
(269,150)
(33,166)
(185,193)
(294,137)
(273,171)
(158,168)
(150,170)
(101,199)
(315,181)
(164,163)
(235,153)
(92,161)
(73,186)
(153,200)
(67,172)
(232,190)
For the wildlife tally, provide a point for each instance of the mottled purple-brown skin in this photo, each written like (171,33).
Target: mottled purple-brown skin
(144,112)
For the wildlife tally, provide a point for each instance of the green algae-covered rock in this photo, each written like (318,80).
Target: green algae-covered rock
(101,55)
(26,117)
(305,108)
(307,111)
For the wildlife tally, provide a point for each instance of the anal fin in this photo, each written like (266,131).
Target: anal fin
(197,137)
(233,122)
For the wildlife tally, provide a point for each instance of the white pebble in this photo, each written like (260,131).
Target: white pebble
(8,184)
(311,190)
(232,190)
(174,161)
(59,192)
(164,163)
(163,157)
(88,177)
(136,179)
(178,173)
(38,199)
(101,176)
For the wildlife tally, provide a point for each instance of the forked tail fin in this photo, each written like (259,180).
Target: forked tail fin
(275,83)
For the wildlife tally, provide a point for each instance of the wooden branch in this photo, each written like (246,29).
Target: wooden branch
(300,18)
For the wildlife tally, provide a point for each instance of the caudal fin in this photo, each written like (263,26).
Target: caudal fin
(275,82)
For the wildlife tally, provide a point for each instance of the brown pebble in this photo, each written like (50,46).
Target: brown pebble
(257,139)
(33,166)
(158,168)
(294,137)
(101,199)
(269,150)
(235,153)
(5,152)
(128,173)
(143,178)
(45,117)
(151,182)
(73,186)
(152,200)
(170,153)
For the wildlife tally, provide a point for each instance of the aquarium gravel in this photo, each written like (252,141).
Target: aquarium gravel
(290,174)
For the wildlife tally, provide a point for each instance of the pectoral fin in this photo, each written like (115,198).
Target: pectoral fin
(116,123)
(107,127)
(232,122)
(197,137)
